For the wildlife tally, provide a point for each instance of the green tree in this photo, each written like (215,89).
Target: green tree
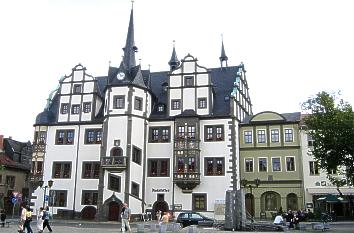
(330,122)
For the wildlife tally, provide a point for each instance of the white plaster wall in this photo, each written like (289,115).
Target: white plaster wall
(175,81)
(117,131)
(65,88)
(88,86)
(189,67)
(202,79)
(189,98)
(78,75)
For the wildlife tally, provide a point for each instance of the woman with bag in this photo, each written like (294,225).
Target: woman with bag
(40,220)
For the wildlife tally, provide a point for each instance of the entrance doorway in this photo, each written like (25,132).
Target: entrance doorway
(249,202)
(113,211)
(157,207)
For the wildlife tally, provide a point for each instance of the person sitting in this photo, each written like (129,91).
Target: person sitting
(278,220)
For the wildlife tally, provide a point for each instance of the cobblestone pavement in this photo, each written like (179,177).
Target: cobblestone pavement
(110,227)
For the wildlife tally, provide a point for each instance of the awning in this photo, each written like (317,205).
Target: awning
(330,190)
(329,198)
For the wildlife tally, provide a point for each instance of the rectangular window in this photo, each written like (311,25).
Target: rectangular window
(314,168)
(58,198)
(77,89)
(10,181)
(199,201)
(261,135)
(64,137)
(87,107)
(288,135)
(42,137)
(180,132)
(247,137)
(118,101)
(159,134)
(114,183)
(136,158)
(158,168)
(276,164)
(62,170)
(248,165)
(75,109)
(175,104)
(213,133)
(64,108)
(310,140)
(188,81)
(90,170)
(135,189)
(138,103)
(290,164)
(262,164)
(214,166)
(202,102)
(274,134)
(39,167)
(89,197)
(93,136)
(191,132)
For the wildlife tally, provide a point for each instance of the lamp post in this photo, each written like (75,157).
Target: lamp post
(50,184)
(245,183)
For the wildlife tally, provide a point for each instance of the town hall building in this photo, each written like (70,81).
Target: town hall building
(163,140)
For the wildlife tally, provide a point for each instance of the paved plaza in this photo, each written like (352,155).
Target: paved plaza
(69,226)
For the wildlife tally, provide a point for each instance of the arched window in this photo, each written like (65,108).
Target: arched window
(116,151)
(270,201)
(291,201)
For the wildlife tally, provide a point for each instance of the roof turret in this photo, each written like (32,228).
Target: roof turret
(223,57)
(174,62)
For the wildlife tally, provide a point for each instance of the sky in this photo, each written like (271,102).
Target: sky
(291,49)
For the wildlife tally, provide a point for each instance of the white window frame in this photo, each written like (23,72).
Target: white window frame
(244,141)
(271,160)
(265,136)
(286,165)
(252,159)
(266,162)
(270,135)
(293,131)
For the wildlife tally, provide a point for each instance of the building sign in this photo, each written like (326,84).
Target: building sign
(160,190)
(178,206)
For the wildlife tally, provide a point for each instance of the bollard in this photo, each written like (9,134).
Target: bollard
(140,228)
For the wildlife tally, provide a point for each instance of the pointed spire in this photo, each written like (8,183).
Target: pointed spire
(130,49)
(223,57)
(174,62)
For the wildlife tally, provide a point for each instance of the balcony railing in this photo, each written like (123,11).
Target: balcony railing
(114,162)
(39,147)
(186,143)
(35,177)
(187,181)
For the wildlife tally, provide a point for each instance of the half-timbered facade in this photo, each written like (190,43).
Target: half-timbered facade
(156,140)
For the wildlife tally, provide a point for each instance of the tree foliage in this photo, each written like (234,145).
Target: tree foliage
(330,122)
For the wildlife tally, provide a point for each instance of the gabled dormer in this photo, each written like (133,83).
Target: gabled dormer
(78,97)
(190,88)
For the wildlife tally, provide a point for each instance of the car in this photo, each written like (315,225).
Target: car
(194,218)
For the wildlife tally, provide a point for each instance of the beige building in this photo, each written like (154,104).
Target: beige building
(270,152)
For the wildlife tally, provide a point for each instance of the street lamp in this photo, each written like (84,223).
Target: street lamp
(50,184)
(245,183)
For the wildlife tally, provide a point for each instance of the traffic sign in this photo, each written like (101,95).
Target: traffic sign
(14,200)
(46,197)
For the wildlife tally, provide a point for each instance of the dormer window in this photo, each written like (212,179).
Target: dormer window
(160,108)
(188,81)
(77,88)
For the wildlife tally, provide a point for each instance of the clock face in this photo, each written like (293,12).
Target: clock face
(120,76)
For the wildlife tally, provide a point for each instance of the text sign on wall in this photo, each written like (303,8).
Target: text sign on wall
(160,190)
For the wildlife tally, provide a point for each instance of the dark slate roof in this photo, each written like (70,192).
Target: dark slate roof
(222,83)
(289,118)
(9,163)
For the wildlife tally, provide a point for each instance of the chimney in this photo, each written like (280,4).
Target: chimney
(1,142)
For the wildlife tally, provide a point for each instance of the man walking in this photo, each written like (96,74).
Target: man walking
(46,219)
(126,213)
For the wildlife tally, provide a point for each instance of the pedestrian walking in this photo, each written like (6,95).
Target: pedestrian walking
(126,214)
(40,220)
(3,218)
(28,220)
(46,219)
(22,219)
